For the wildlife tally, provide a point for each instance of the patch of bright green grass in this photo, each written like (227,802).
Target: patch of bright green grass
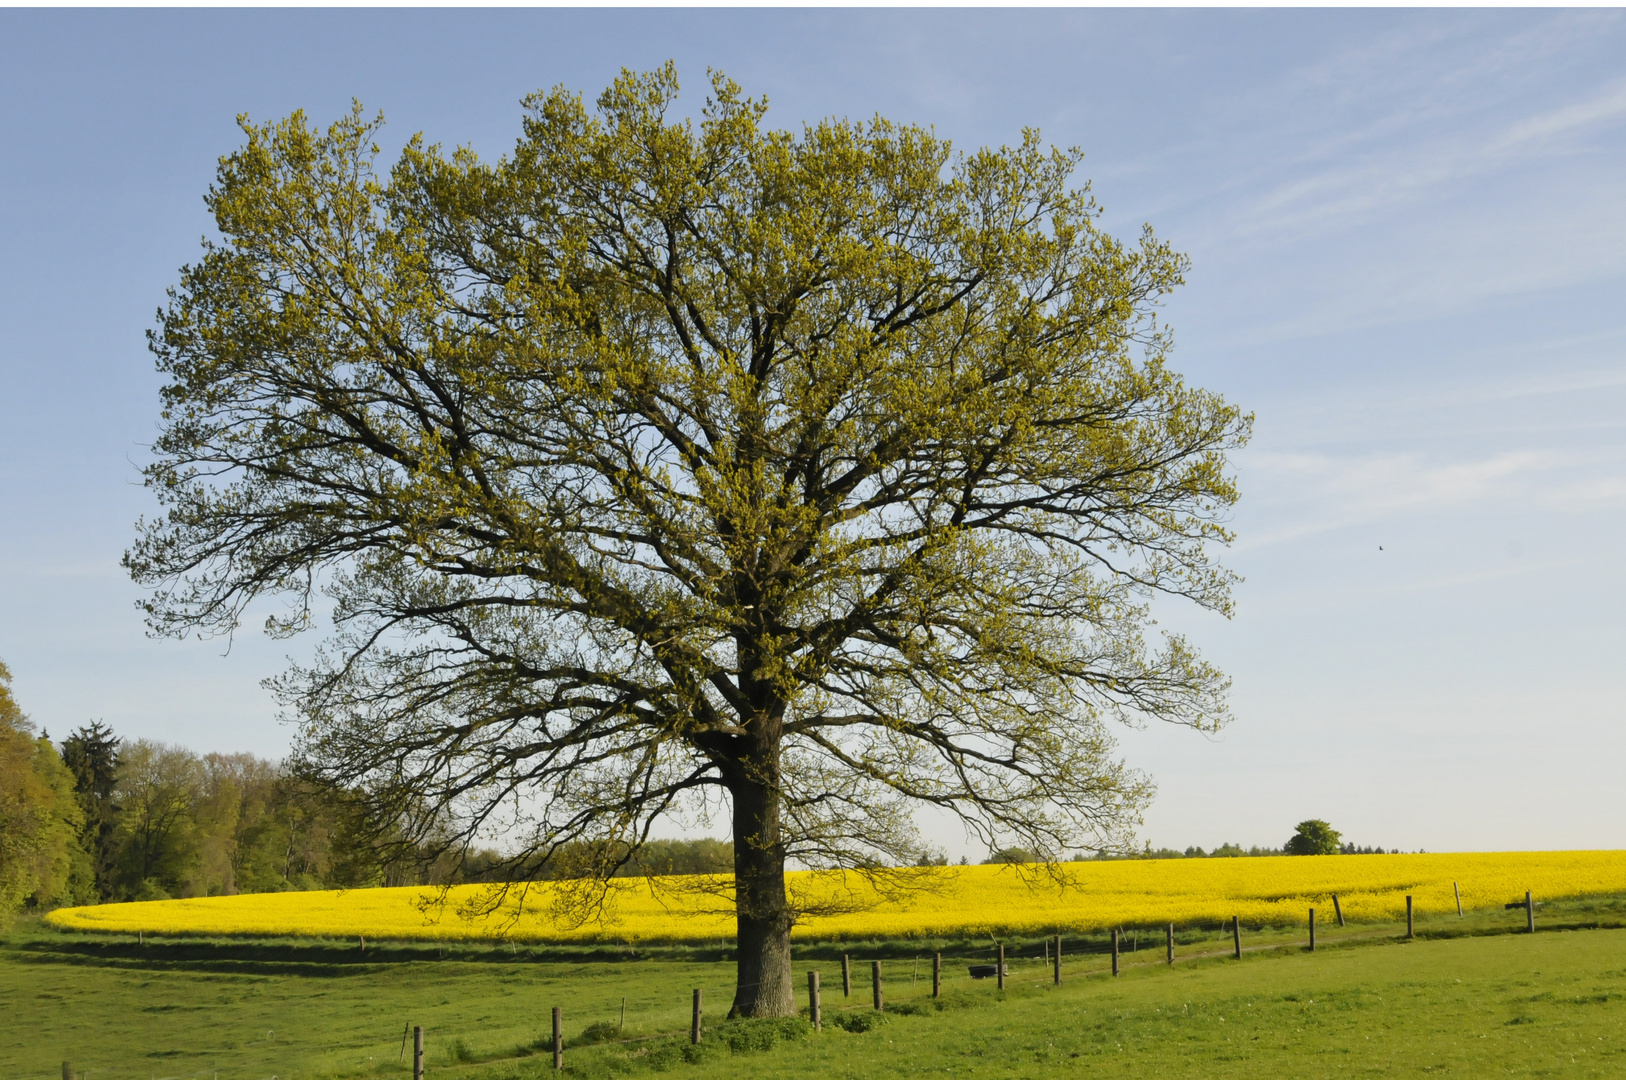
(1467,998)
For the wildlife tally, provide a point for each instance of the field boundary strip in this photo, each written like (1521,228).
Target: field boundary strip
(948,902)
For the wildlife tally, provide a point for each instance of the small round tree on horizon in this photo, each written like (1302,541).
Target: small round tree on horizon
(1314,837)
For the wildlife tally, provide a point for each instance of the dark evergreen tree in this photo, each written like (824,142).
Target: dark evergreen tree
(91,753)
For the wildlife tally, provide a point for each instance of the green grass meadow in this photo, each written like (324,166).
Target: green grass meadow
(1467,998)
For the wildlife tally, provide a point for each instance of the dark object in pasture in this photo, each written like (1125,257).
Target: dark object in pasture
(987,971)
(859,1022)
(600,1032)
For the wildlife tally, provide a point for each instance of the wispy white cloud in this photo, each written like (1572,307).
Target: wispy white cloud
(1312,493)
(1483,576)
(1559,231)
(1418,174)
(1357,183)
(1551,383)
(1518,391)
(1601,109)
(1588,492)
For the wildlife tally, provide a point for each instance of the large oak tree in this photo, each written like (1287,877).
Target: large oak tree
(821,475)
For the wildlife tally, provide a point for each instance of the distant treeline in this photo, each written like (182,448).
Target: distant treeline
(97,819)
(1235,851)
(1224,851)
(653,858)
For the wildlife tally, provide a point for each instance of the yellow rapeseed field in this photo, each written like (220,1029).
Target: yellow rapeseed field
(948,902)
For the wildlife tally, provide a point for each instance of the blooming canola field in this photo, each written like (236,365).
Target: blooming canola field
(946,902)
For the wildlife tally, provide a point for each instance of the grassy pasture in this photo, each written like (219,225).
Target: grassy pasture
(1466,998)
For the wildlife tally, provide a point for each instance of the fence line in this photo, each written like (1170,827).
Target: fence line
(1052,956)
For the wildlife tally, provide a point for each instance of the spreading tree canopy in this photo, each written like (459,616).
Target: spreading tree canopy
(812,476)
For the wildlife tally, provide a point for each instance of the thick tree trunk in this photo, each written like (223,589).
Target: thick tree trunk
(763,983)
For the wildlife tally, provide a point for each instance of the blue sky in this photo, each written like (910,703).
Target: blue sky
(1408,231)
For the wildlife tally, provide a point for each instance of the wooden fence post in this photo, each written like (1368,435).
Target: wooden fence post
(813,1000)
(937,974)
(1337,909)
(1058,959)
(694,1018)
(875,983)
(915,977)
(67,1071)
(1171,943)
(1411,929)
(999,966)
(558,1039)
(1236,934)
(623,1025)
(1115,950)
(1312,929)
(846,976)
(417,1053)
(1529,913)
(1458,891)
